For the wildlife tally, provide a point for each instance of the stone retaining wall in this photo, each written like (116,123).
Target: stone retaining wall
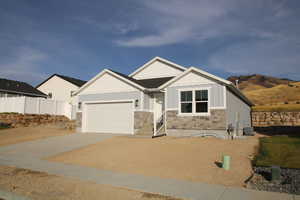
(24,120)
(263,118)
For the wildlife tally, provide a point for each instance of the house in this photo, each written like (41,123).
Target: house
(11,88)
(59,87)
(162,97)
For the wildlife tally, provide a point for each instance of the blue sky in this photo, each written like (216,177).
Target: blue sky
(80,38)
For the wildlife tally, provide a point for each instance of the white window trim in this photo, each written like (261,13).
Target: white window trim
(193,102)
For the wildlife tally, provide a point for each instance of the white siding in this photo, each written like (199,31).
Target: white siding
(112,97)
(191,79)
(60,89)
(157,69)
(107,84)
(216,98)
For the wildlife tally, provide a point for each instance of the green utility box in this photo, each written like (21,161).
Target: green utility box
(226,162)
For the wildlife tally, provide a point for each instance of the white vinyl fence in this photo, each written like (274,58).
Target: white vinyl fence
(30,105)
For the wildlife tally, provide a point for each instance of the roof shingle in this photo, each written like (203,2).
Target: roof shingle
(146,83)
(18,87)
(74,81)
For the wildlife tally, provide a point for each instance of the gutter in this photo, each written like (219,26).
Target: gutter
(153,90)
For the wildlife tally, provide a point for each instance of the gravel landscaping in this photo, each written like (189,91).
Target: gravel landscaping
(281,151)
(289,181)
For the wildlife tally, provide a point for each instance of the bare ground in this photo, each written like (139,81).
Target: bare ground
(40,185)
(193,159)
(24,134)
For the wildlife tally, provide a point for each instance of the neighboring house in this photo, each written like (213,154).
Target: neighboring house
(11,88)
(59,87)
(161,97)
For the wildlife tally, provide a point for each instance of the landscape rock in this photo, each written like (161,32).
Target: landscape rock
(16,120)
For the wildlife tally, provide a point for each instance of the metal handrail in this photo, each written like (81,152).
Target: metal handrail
(160,123)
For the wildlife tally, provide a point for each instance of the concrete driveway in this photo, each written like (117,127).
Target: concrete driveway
(29,155)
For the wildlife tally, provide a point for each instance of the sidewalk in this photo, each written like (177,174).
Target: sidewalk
(11,196)
(29,155)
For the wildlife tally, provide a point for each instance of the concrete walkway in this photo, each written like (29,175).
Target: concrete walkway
(11,196)
(29,155)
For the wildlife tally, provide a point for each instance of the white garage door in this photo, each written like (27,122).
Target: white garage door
(114,117)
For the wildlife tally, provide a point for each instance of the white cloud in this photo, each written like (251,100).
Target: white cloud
(177,21)
(23,65)
(167,37)
(111,26)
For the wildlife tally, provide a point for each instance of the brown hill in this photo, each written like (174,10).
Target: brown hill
(267,90)
(258,81)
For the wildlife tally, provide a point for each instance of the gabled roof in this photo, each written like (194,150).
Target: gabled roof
(227,83)
(121,76)
(143,84)
(157,84)
(17,87)
(197,70)
(157,59)
(74,81)
(146,83)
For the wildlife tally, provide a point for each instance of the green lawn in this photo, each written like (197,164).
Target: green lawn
(283,151)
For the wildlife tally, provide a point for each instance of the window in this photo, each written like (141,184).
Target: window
(79,105)
(50,95)
(186,101)
(201,101)
(194,101)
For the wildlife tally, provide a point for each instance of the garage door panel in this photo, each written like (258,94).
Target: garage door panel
(109,117)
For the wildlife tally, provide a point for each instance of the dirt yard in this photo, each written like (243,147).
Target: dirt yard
(193,159)
(39,185)
(24,134)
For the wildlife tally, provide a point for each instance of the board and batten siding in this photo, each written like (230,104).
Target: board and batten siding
(107,83)
(112,97)
(216,98)
(236,105)
(147,102)
(157,69)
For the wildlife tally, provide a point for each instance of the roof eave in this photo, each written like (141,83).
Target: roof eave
(24,93)
(155,59)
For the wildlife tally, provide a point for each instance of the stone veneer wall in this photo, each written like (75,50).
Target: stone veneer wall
(24,120)
(78,121)
(264,118)
(143,122)
(216,121)
(215,124)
